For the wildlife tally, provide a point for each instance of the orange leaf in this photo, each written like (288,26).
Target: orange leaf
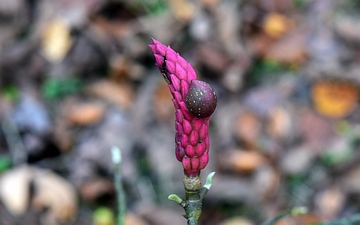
(335,98)
(275,25)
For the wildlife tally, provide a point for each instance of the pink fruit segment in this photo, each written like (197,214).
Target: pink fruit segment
(194,102)
(190,151)
(186,162)
(194,138)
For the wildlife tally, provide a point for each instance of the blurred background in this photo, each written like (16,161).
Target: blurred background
(77,77)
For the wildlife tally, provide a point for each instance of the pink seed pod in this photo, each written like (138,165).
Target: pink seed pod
(194,102)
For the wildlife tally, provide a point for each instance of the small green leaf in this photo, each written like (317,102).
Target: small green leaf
(209,179)
(332,159)
(298,211)
(5,163)
(292,212)
(116,155)
(10,93)
(58,88)
(103,215)
(299,4)
(175,198)
(153,7)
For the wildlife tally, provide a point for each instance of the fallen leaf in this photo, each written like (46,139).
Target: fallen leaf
(92,189)
(50,194)
(276,25)
(56,40)
(248,129)
(290,49)
(132,219)
(297,160)
(123,68)
(55,195)
(347,27)
(62,134)
(279,125)
(183,10)
(242,161)
(212,56)
(163,107)
(309,218)
(314,130)
(260,44)
(120,94)
(85,113)
(266,181)
(350,180)
(15,189)
(237,221)
(209,3)
(335,98)
(331,201)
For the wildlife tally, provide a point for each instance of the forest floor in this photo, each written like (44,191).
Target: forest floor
(77,78)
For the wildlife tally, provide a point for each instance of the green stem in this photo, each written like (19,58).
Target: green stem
(193,206)
(194,195)
(116,157)
(292,212)
(351,220)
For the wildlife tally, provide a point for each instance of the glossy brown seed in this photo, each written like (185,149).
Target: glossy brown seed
(201,99)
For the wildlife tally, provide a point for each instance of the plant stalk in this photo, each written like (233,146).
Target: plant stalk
(193,206)
(351,220)
(116,157)
(194,195)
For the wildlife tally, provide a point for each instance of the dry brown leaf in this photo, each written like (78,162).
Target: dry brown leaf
(275,5)
(315,130)
(14,189)
(260,44)
(276,25)
(279,125)
(92,189)
(266,181)
(350,180)
(309,218)
(120,94)
(248,129)
(163,107)
(132,219)
(347,28)
(56,40)
(212,56)
(123,68)
(242,161)
(85,113)
(331,201)
(291,48)
(335,98)
(51,193)
(237,221)
(56,195)
(183,10)
(286,221)
(209,3)
(62,134)
(297,160)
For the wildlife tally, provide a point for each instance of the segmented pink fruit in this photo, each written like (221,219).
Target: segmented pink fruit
(194,102)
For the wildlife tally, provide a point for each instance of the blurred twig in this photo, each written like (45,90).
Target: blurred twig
(292,212)
(13,140)
(351,220)
(116,158)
